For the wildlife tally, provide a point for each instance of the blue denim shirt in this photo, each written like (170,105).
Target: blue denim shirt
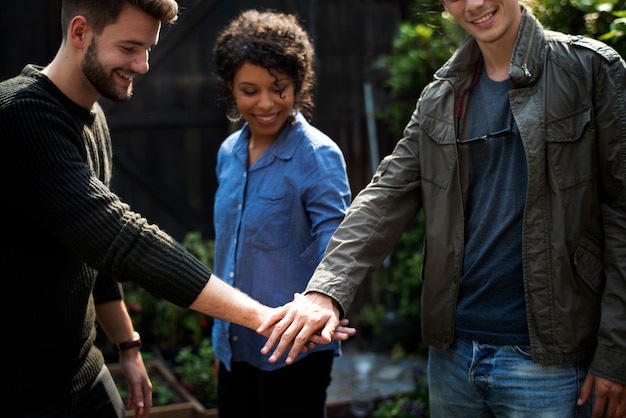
(272,224)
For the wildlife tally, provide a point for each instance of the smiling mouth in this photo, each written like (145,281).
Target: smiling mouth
(125,76)
(266,118)
(483,19)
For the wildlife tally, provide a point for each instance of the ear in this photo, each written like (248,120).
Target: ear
(79,32)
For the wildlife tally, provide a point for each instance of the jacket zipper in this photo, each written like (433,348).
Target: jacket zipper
(527,55)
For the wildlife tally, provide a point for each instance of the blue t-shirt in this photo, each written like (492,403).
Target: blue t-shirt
(491,307)
(273,222)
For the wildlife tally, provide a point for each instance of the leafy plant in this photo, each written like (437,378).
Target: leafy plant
(418,50)
(162,323)
(604,20)
(411,405)
(162,394)
(196,371)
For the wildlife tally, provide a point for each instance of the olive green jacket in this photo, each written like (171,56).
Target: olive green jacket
(569,103)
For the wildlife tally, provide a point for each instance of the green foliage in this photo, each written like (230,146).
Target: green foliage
(162,394)
(203,249)
(418,50)
(406,262)
(604,20)
(196,371)
(163,323)
(410,405)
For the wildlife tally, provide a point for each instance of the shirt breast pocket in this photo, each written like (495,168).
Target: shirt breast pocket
(268,221)
(571,149)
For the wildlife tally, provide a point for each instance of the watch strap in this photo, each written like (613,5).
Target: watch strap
(127,345)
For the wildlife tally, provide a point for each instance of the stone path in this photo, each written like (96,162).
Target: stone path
(387,377)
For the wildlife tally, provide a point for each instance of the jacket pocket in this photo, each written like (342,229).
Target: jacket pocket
(570,148)
(437,149)
(588,263)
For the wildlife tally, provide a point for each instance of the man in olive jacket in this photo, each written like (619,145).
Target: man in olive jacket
(516,153)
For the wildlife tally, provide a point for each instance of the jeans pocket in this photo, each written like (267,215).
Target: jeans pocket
(523,350)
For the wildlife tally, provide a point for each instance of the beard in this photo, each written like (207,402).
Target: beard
(101,80)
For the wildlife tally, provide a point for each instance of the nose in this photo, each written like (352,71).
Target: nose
(473,4)
(140,63)
(265,100)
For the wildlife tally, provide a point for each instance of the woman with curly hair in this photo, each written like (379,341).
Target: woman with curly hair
(282,191)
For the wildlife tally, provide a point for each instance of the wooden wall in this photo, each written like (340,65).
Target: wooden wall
(166,137)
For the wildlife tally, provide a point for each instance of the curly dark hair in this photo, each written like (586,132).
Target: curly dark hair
(272,40)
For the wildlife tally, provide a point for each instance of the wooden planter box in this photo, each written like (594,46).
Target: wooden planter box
(184,404)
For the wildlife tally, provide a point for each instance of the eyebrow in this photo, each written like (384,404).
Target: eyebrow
(134,42)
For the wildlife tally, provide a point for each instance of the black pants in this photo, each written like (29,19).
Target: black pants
(297,390)
(101,399)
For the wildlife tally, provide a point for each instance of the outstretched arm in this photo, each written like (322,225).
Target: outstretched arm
(220,300)
(310,319)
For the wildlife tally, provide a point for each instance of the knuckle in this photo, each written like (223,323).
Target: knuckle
(288,335)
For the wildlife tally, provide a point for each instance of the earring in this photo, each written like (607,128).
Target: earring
(292,117)
(233,119)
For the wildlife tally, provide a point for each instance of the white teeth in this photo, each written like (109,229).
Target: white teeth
(484,18)
(127,77)
(265,118)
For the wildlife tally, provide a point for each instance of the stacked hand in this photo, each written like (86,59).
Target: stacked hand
(301,324)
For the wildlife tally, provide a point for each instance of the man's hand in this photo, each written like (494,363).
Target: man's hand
(342,333)
(139,384)
(306,321)
(610,397)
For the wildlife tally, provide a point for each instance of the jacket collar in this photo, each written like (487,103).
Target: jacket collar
(526,63)
(529,52)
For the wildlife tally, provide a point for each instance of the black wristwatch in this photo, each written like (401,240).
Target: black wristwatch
(127,345)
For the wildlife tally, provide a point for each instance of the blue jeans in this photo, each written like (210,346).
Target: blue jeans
(482,380)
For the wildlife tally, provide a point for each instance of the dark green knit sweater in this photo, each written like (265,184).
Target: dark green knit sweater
(69,241)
